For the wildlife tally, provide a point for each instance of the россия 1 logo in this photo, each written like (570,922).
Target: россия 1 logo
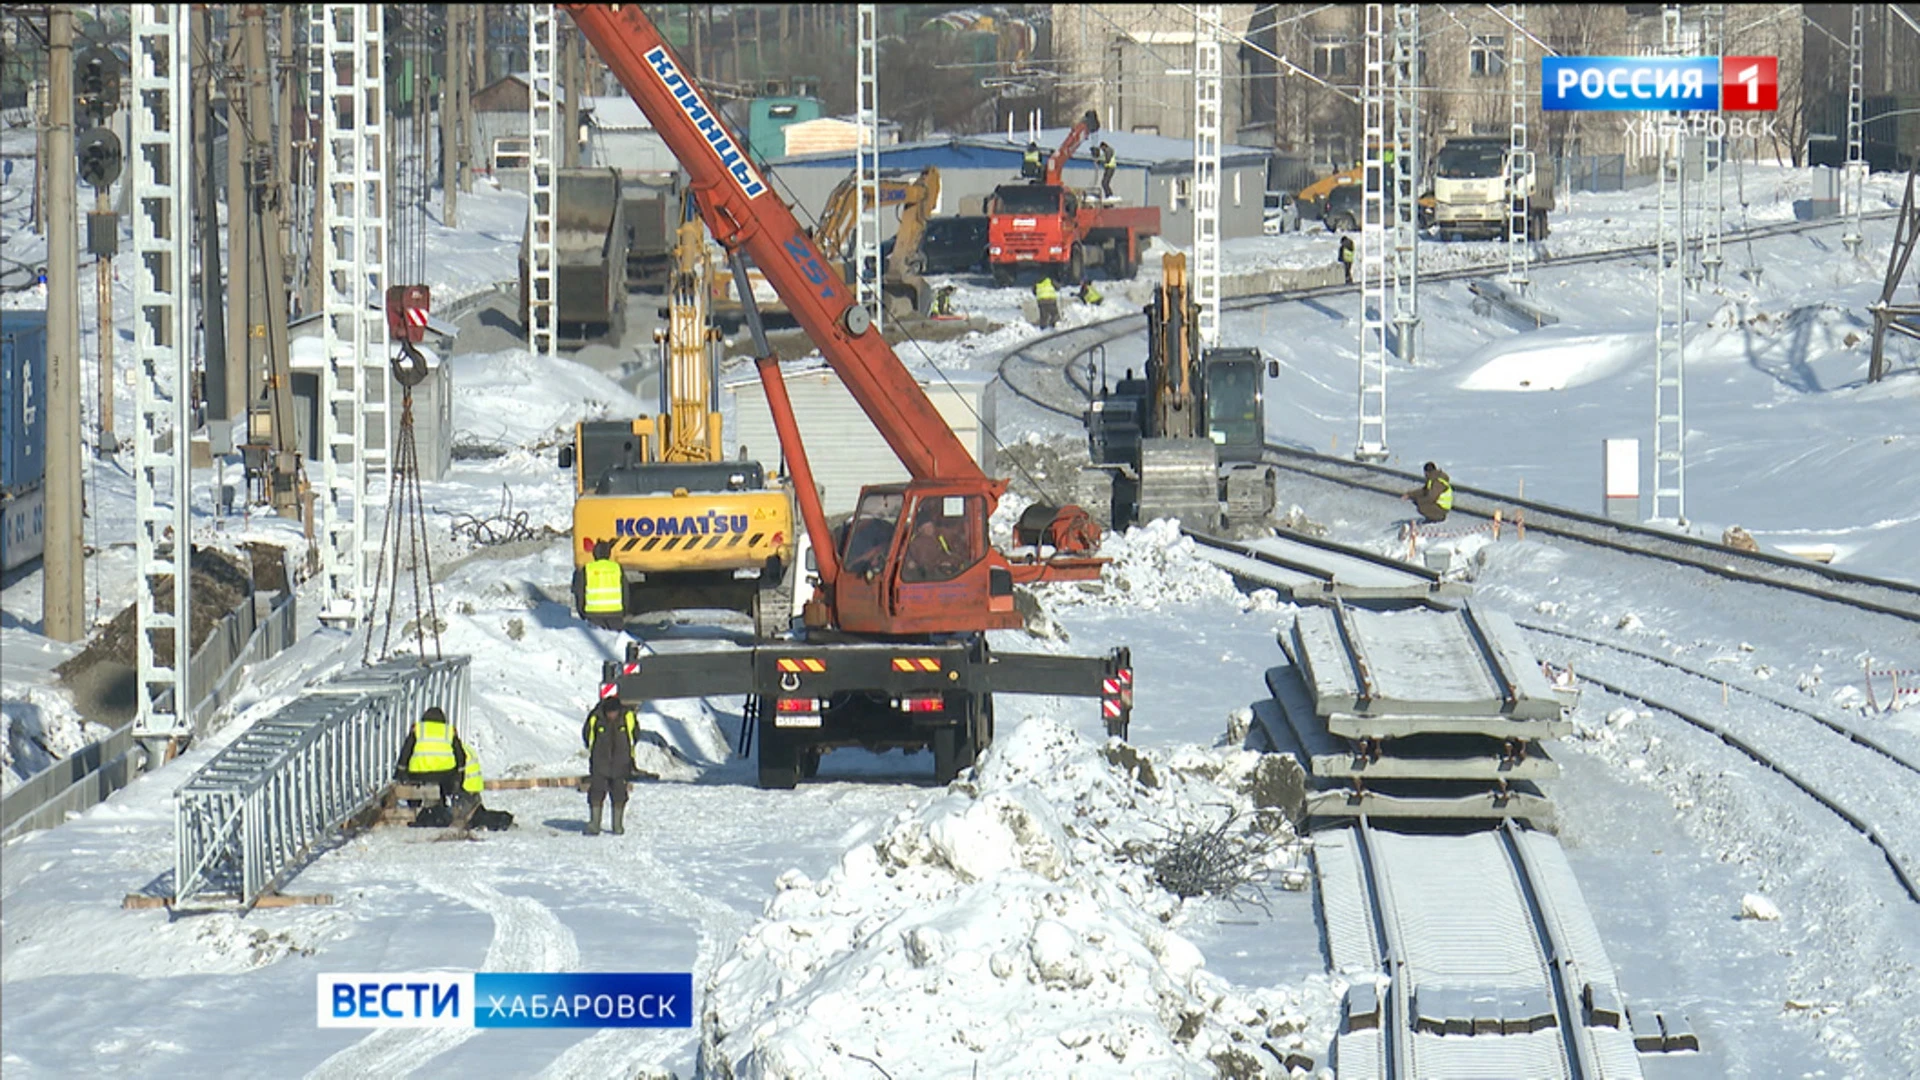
(1660,83)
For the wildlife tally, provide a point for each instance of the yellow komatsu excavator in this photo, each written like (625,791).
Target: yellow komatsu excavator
(900,280)
(690,529)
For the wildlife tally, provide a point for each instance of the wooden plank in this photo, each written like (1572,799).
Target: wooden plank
(277,900)
(524,783)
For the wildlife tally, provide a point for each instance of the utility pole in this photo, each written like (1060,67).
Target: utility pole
(265,319)
(480,48)
(62,610)
(284,176)
(318,74)
(570,151)
(473,17)
(220,405)
(1206,172)
(239,366)
(450,118)
(1371,444)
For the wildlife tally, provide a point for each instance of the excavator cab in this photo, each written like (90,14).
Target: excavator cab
(919,553)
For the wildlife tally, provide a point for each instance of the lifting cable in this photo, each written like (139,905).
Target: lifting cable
(409,538)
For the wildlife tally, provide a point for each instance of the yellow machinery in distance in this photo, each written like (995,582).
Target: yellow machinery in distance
(690,529)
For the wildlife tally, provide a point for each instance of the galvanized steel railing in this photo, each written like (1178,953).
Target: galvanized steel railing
(249,818)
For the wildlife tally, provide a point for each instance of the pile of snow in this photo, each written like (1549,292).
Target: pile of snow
(38,726)
(1008,926)
(1153,566)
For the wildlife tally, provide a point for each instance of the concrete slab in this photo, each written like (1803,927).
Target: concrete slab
(1316,571)
(1421,756)
(1418,663)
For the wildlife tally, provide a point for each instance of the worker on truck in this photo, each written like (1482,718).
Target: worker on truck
(1103,157)
(1030,163)
(602,584)
(1434,497)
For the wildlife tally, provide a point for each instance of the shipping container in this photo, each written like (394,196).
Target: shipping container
(23,398)
(23,526)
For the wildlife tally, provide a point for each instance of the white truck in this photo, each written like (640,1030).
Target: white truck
(1470,195)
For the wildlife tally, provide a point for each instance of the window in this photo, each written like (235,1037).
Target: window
(870,533)
(511,154)
(1182,193)
(1330,57)
(1487,55)
(943,545)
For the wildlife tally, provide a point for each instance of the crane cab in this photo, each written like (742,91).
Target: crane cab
(915,558)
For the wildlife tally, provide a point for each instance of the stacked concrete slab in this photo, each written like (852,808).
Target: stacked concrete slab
(1416,713)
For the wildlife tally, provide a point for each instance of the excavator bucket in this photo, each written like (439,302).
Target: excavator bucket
(1069,530)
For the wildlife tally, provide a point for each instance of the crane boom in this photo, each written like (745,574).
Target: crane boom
(742,212)
(1088,125)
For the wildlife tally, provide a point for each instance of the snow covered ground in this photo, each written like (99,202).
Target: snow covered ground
(1006,924)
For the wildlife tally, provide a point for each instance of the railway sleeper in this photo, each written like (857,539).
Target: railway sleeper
(1456,1010)
(1656,1032)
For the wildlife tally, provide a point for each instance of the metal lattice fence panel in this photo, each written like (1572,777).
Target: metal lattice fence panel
(252,815)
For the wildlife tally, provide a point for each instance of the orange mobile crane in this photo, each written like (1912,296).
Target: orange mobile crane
(893,652)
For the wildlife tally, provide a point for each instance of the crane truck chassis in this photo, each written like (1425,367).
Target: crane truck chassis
(893,649)
(806,698)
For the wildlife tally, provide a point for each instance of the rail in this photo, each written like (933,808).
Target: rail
(1895,598)
(250,817)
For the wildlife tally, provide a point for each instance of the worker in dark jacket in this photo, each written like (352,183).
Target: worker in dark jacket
(1434,497)
(1346,257)
(1103,157)
(1030,166)
(432,754)
(609,734)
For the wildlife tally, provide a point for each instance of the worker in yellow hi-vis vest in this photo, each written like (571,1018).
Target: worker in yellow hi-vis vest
(603,589)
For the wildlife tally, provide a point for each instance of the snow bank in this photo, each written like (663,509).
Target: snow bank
(515,399)
(1008,925)
(1153,566)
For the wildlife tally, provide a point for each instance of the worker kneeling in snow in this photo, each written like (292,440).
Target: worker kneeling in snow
(432,754)
(1434,497)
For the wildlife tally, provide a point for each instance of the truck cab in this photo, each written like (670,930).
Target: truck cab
(1470,189)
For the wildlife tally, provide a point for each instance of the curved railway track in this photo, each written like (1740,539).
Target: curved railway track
(1871,787)
(1047,373)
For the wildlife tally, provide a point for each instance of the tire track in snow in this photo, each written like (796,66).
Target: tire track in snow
(527,936)
(625,1051)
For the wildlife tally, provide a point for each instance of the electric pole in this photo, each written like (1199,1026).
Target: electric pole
(450,116)
(239,366)
(220,406)
(570,152)
(266,298)
(63,614)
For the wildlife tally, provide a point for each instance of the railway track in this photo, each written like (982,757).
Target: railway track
(1047,373)
(1872,787)
(1042,372)
(1470,955)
